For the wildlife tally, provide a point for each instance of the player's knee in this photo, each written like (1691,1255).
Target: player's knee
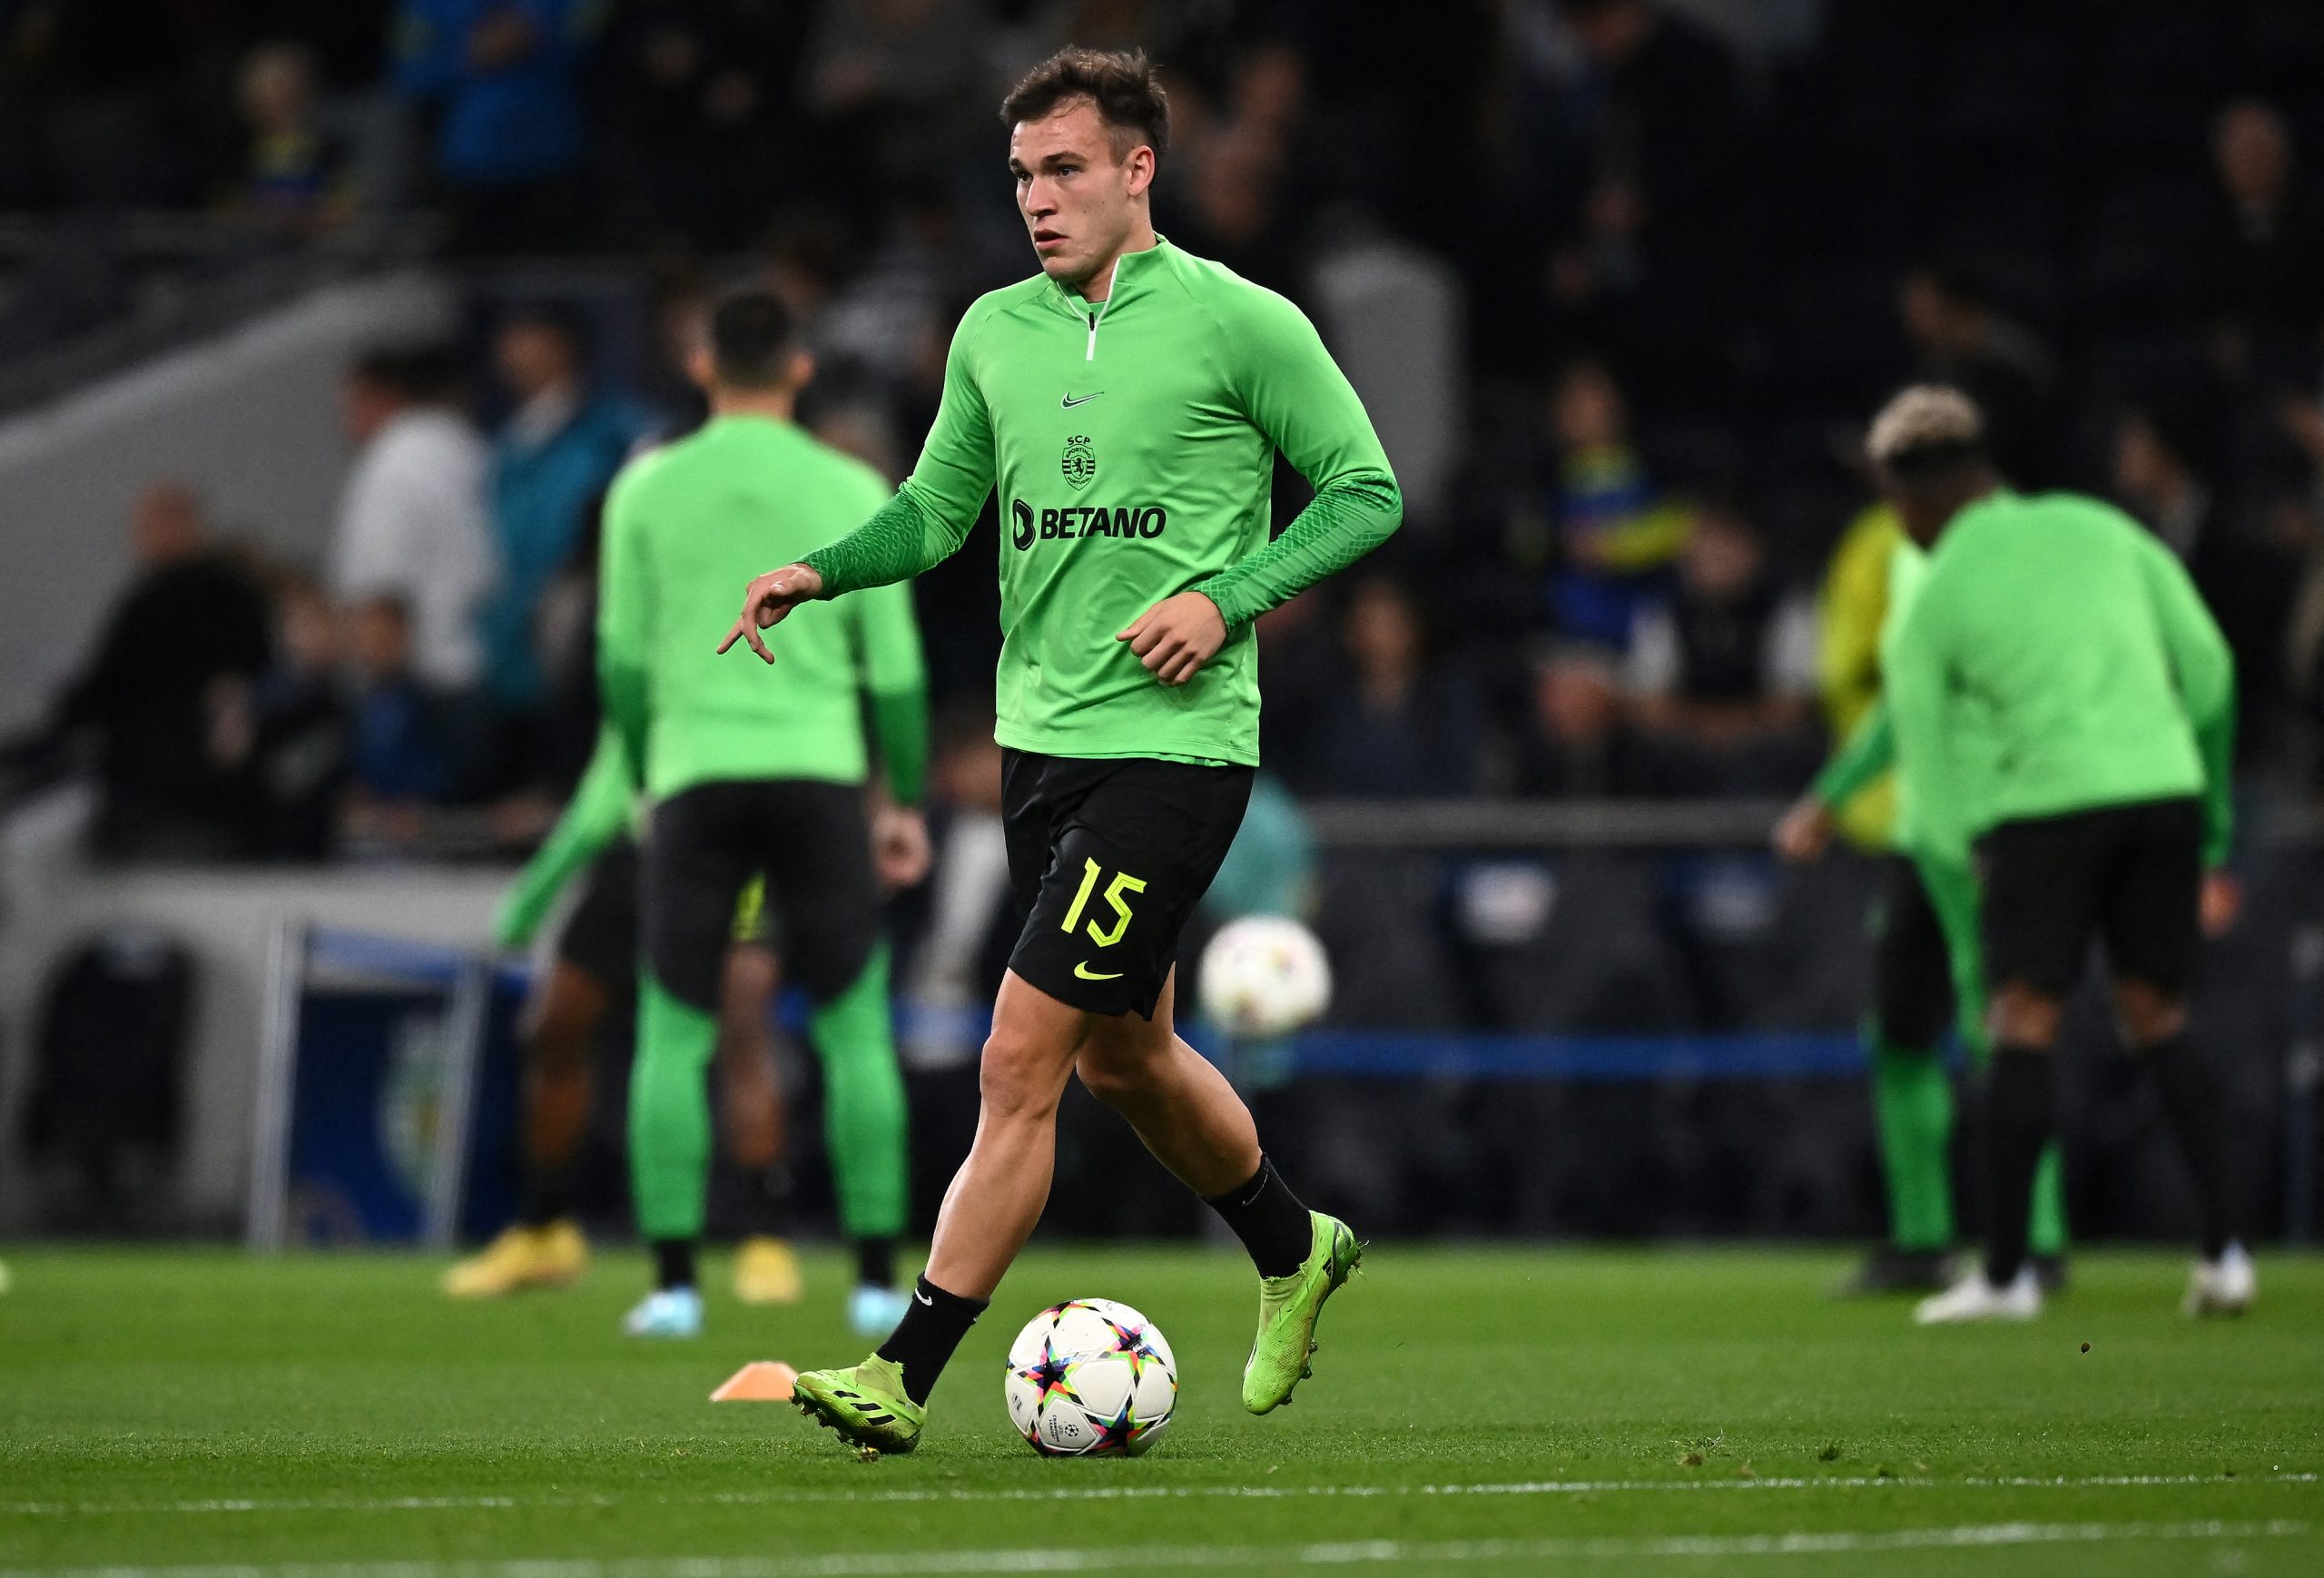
(1118,1082)
(1020,1077)
(2023,1017)
(2148,1014)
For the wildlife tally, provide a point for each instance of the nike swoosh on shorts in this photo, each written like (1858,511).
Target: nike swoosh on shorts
(1083,971)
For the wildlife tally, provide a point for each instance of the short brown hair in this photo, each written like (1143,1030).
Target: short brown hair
(1119,83)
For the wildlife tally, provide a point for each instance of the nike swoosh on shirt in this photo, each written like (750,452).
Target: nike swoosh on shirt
(1069,401)
(1083,971)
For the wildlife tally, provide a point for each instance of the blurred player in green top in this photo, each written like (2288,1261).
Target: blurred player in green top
(1127,403)
(2058,671)
(751,772)
(1926,971)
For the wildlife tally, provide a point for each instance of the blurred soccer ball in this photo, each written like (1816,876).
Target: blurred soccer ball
(1265,975)
(1090,1378)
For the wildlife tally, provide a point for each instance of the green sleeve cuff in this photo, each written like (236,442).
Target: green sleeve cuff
(1348,518)
(1869,750)
(899,725)
(897,543)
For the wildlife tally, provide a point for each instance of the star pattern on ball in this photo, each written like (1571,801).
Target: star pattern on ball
(1051,1373)
(1117,1434)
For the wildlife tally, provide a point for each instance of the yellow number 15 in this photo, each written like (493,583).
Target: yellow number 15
(1123,883)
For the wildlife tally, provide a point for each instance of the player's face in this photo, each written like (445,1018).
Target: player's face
(1079,200)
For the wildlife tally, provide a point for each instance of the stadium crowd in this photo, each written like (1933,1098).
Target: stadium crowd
(1665,258)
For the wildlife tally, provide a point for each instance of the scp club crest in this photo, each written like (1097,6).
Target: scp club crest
(1080,462)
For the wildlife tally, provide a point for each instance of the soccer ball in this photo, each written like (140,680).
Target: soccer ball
(1265,975)
(1090,1378)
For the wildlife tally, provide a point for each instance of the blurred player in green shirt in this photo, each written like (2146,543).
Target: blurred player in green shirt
(1927,971)
(753,773)
(2059,673)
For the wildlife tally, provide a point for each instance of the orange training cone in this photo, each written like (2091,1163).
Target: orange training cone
(760,1381)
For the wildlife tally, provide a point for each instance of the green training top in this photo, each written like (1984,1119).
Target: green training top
(2058,659)
(1929,803)
(684,527)
(1132,441)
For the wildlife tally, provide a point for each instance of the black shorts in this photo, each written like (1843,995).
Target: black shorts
(1912,972)
(807,839)
(1107,859)
(2129,875)
(600,937)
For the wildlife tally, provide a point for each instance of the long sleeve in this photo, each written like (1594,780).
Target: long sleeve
(600,809)
(897,678)
(1296,394)
(624,626)
(2204,669)
(1869,750)
(932,514)
(1918,700)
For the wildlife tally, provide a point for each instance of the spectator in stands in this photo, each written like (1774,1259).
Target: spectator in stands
(902,80)
(406,735)
(1615,541)
(1722,669)
(1653,264)
(1393,725)
(412,520)
(2249,577)
(292,176)
(1963,339)
(503,80)
(2155,478)
(289,736)
(190,626)
(551,462)
(1580,745)
(2263,272)
(696,95)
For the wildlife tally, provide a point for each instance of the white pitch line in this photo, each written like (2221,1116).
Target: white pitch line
(901,1494)
(1356,1552)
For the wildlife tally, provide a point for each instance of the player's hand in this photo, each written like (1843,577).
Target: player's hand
(1806,831)
(1176,637)
(2222,902)
(899,850)
(766,602)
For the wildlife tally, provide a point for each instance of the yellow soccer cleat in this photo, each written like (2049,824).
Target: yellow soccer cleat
(521,1258)
(767,1272)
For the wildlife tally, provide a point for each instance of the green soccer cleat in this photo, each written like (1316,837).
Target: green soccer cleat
(1288,1307)
(866,1405)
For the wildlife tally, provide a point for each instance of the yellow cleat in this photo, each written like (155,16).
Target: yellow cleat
(767,1272)
(521,1258)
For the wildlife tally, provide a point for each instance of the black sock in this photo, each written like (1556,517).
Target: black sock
(1269,1220)
(922,1342)
(548,1193)
(766,1202)
(673,1264)
(2194,1103)
(2021,1116)
(875,1262)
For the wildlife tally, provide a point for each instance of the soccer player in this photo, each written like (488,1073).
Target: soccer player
(1926,971)
(1128,401)
(2059,674)
(593,971)
(758,773)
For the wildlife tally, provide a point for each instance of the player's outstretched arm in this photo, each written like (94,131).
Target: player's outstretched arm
(767,601)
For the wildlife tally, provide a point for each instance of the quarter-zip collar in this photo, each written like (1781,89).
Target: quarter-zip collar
(1134,274)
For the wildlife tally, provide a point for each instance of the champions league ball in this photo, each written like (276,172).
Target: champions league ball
(1265,975)
(1090,1378)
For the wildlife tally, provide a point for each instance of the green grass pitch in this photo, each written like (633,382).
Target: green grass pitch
(1473,1412)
